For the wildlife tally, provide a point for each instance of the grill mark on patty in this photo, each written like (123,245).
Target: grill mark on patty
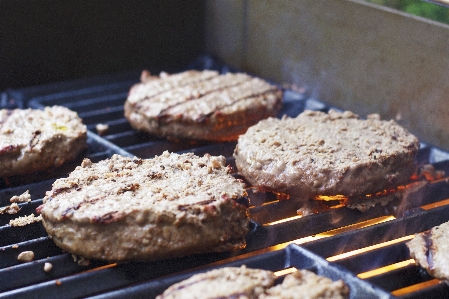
(202,118)
(205,117)
(69,185)
(428,244)
(193,80)
(107,218)
(214,89)
(69,211)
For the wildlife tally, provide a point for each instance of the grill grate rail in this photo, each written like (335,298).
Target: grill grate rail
(322,236)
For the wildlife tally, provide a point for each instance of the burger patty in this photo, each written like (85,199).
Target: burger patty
(242,282)
(430,250)
(34,140)
(200,105)
(326,154)
(227,282)
(134,209)
(306,284)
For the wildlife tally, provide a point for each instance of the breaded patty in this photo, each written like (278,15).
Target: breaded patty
(147,209)
(332,153)
(34,140)
(227,282)
(430,250)
(306,284)
(246,283)
(200,105)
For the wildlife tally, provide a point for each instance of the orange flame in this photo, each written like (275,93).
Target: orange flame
(331,197)
(344,198)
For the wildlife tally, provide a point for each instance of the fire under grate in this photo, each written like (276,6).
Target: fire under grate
(366,249)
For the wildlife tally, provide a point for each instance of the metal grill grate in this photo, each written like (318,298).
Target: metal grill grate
(271,245)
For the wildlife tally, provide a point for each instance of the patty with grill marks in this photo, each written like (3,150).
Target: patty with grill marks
(318,153)
(246,283)
(430,250)
(33,140)
(200,105)
(122,208)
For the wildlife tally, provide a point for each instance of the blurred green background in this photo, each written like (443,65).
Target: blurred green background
(419,8)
